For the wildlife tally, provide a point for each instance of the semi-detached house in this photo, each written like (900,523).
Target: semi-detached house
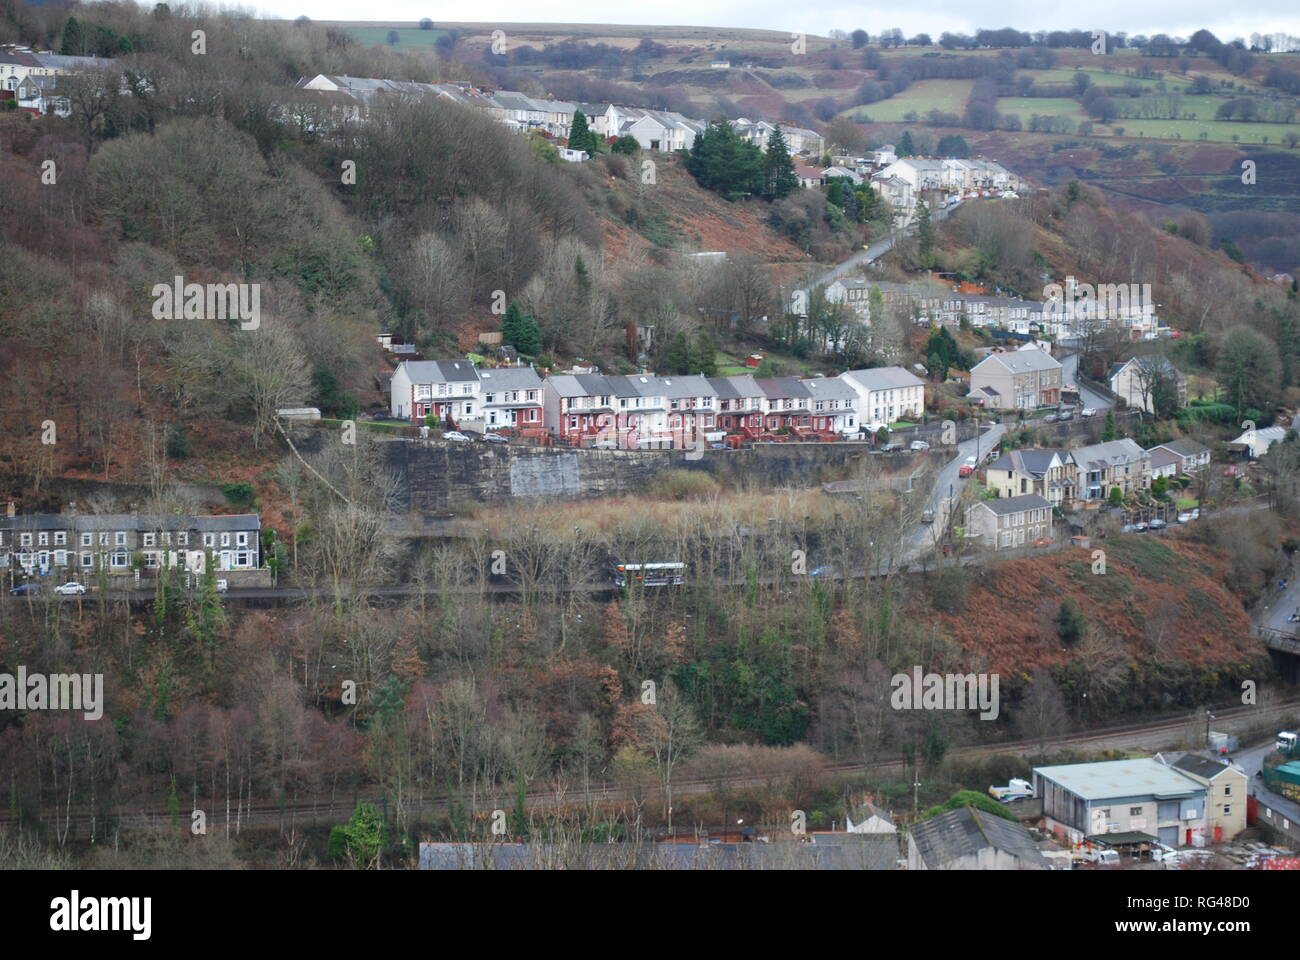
(1005,524)
(1016,380)
(886,395)
(448,389)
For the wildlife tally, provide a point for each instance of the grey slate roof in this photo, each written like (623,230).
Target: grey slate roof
(677,388)
(1008,505)
(1034,461)
(945,839)
(734,388)
(885,378)
(1206,768)
(830,388)
(510,378)
(782,388)
(1099,456)
(129,521)
(1021,361)
(1184,448)
(440,371)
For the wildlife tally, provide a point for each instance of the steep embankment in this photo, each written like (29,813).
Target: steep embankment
(1160,603)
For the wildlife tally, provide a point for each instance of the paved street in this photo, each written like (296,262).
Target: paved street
(1070,374)
(874,252)
(947,490)
(1252,760)
(1280,604)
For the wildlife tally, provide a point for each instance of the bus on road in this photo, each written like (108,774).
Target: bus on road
(650,574)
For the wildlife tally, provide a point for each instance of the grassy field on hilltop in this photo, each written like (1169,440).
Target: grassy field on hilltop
(921,97)
(407,36)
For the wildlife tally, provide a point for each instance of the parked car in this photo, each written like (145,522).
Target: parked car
(71,588)
(223,586)
(967,467)
(920,445)
(1088,412)
(1141,526)
(1043,542)
(927,516)
(1185,518)
(717,445)
(891,448)
(494,438)
(455,436)
(605,445)
(23,589)
(1158,524)
(1065,415)
(1050,418)
(1234,471)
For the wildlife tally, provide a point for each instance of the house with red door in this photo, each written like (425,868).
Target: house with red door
(578,407)
(448,389)
(511,398)
(786,404)
(692,408)
(740,404)
(833,406)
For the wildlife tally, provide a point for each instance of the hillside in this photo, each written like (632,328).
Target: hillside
(1161,605)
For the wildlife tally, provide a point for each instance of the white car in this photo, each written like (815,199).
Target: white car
(920,445)
(222,586)
(456,436)
(605,445)
(1189,516)
(1088,412)
(71,588)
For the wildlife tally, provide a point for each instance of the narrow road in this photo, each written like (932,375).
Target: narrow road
(876,250)
(947,492)
(1278,604)
(1070,374)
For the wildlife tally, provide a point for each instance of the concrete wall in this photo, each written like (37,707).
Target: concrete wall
(436,475)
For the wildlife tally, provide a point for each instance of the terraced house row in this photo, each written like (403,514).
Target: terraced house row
(643,411)
(80,545)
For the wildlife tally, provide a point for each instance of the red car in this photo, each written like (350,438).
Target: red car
(1232,471)
(967,468)
(1043,542)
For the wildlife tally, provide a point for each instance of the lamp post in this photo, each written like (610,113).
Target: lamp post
(1208,717)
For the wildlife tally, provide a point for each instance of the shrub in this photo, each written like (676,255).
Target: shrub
(238,494)
(685,485)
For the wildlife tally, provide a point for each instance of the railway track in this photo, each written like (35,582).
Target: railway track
(79,822)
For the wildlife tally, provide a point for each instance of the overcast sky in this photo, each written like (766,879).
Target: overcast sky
(1174,17)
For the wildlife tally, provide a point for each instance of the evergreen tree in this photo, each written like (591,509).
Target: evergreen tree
(580,136)
(904,147)
(835,193)
(74,43)
(954,145)
(679,358)
(519,330)
(1109,432)
(924,235)
(723,162)
(705,360)
(778,168)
